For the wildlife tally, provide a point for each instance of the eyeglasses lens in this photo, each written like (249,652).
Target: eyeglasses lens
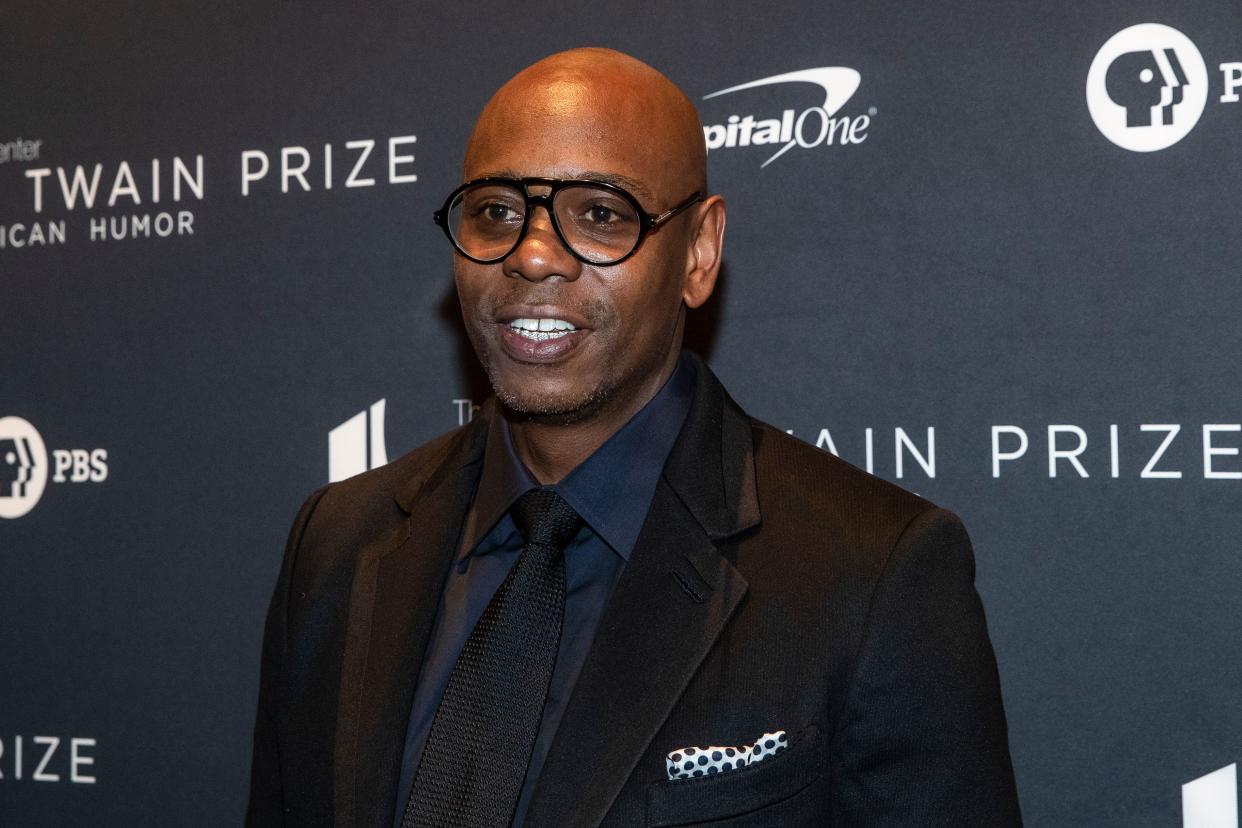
(486,221)
(597,224)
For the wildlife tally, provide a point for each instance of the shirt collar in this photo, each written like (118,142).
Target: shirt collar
(612,489)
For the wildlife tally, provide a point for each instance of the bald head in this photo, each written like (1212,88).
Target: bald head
(599,108)
(616,326)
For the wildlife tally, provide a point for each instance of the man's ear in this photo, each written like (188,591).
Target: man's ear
(704,256)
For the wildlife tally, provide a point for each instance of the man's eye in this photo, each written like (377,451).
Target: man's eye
(602,214)
(498,212)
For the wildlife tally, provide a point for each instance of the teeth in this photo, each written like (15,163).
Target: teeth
(541,329)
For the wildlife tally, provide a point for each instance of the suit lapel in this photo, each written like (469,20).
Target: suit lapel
(669,606)
(396,590)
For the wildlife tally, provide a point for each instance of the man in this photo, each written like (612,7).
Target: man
(613,598)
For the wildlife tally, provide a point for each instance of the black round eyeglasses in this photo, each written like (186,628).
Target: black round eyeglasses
(598,222)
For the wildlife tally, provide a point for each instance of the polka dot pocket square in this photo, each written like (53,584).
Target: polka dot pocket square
(688,762)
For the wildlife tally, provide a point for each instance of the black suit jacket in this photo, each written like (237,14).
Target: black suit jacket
(773,587)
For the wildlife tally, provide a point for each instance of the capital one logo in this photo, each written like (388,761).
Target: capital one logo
(357,444)
(23,467)
(815,126)
(1147,87)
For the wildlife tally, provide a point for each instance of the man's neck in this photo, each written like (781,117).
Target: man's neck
(551,450)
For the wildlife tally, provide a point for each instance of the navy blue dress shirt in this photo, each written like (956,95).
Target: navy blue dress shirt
(612,491)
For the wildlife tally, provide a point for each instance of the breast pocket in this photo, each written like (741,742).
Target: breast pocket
(738,792)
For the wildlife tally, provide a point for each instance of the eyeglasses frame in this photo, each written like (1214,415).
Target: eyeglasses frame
(648,222)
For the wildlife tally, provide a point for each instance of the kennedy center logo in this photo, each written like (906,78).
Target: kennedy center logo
(23,467)
(357,444)
(1147,87)
(1211,801)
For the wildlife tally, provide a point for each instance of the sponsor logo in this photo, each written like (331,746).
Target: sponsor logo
(1211,801)
(24,467)
(818,125)
(47,759)
(19,149)
(466,409)
(1147,87)
(357,444)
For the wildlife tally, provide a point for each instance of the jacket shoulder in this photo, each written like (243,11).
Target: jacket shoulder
(341,520)
(351,512)
(811,493)
(398,476)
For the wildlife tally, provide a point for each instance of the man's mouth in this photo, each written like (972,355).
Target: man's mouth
(541,333)
(542,329)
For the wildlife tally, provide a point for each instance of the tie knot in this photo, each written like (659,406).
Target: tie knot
(544,518)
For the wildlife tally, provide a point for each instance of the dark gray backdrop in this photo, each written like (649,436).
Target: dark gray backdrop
(985,257)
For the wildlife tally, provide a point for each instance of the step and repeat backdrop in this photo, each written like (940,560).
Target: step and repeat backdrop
(992,252)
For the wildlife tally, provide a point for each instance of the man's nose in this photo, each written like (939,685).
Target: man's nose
(541,254)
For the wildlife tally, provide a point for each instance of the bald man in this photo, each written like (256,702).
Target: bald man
(613,598)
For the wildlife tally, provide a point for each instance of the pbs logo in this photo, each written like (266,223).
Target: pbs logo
(1147,87)
(24,466)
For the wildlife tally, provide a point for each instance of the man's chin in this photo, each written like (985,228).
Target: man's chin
(552,407)
(562,392)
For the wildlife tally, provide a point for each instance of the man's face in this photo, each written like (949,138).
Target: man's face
(626,317)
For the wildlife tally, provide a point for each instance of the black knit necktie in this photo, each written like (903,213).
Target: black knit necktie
(474,762)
